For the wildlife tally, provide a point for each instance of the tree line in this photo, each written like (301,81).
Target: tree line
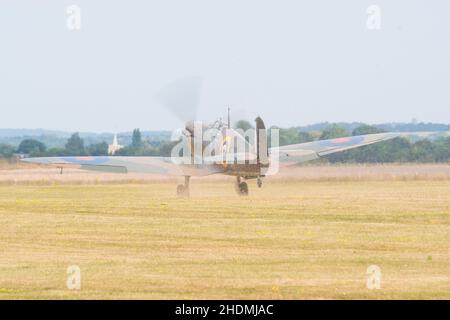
(395,150)
(75,146)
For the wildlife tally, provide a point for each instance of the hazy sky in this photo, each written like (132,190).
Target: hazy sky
(292,62)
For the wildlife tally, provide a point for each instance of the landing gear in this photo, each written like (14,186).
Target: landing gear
(183,189)
(241,187)
(259,182)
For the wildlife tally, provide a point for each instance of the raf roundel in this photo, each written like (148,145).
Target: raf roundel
(87,160)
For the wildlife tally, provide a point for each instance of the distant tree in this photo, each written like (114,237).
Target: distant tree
(293,136)
(305,137)
(98,149)
(395,150)
(165,149)
(334,131)
(75,146)
(315,135)
(366,129)
(55,152)
(287,136)
(243,125)
(136,140)
(125,151)
(442,150)
(31,146)
(6,151)
(422,151)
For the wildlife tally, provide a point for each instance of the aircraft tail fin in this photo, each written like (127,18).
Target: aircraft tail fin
(261,142)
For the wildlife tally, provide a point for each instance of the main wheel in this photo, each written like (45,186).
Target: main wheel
(182,191)
(243,189)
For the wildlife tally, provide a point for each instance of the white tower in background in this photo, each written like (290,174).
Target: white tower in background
(115,146)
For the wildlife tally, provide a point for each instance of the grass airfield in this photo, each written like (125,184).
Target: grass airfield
(295,238)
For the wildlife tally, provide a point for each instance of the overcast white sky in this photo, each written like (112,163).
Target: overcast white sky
(293,62)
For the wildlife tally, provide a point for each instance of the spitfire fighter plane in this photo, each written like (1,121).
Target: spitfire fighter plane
(217,148)
(226,152)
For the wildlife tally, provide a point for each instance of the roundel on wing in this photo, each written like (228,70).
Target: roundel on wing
(342,142)
(85,158)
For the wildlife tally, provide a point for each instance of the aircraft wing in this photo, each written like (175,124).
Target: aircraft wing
(312,150)
(158,165)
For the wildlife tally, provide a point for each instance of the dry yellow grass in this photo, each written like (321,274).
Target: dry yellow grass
(290,239)
(23,173)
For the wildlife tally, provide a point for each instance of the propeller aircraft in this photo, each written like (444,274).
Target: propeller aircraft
(217,148)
